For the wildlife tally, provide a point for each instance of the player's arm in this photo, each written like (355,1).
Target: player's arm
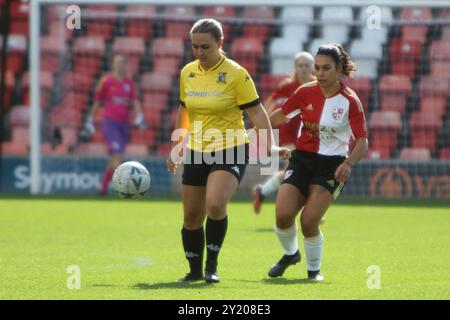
(278,118)
(261,120)
(139,116)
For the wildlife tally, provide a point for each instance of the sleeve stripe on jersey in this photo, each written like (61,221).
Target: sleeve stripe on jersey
(358,102)
(250,104)
(293,114)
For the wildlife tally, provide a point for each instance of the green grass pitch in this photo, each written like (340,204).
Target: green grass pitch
(132,250)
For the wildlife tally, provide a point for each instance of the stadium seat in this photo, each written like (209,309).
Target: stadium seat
(19,17)
(52,53)
(268,83)
(221,13)
(377,154)
(393,92)
(14,149)
(46,82)
(70,136)
(260,21)
(20,134)
(384,128)
(89,52)
(141,20)
(433,105)
(175,21)
(155,101)
(91,149)
(77,81)
(152,117)
(415,154)
(414,15)
(62,116)
(164,149)
(133,48)
(136,150)
(17,50)
(19,116)
(440,69)
(102,20)
(362,86)
(424,128)
(440,50)
(247,48)
(282,65)
(295,22)
(58,150)
(169,66)
(285,48)
(98,136)
(336,21)
(362,49)
(434,86)
(76,100)
(444,154)
(377,33)
(167,47)
(367,68)
(156,82)
(445,33)
(9,88)
(147,137)
(404,56)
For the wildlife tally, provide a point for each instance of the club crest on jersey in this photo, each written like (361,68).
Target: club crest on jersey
(126,87)
(222,77)
(338,112)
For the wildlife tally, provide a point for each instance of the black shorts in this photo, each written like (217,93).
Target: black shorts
(307,168)
(198,165)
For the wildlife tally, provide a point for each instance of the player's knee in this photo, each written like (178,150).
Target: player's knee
(284,218)
(310,227)
(193,220)
(215,209)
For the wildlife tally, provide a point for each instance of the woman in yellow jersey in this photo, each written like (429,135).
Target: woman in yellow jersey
(214,92)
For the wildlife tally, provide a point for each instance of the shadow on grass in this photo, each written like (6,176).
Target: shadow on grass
(283,281)
(172,285)
(269,230)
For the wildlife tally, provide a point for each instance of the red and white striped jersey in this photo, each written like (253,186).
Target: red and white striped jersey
(326,123)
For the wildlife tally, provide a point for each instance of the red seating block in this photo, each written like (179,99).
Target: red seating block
(440,50)
(167,47)
(20,116)
(393,92)
(176,25)
(247,48)
(384,128)
(156,82)
(269,83)
(155,101)
(141,25)
(136,150)
(381,153)
(77,82)
(434,86)
(58,150)
(65,116)
(91,149)
(14,149)
(169,66)
(147,137)
(440,69)
(415,154)
(256,29)
(433,105)
(102,21)
(444,154)
(221,13)
(363,88)
(20,134)
(413,32)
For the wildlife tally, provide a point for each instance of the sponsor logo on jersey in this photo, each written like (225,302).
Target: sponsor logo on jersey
(236,169)
(191,75)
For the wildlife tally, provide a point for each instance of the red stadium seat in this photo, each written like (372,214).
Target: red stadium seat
(20,134)
(46,79)
(91,149)
(258,27)
(433,105)
(155,101)
(152,117)
(169,66)
(20,116)
(136,150)
(77,82)
(102,20)
(176,24)
(58,31)
(434,86)
(9,88)
(156,82)
(363,88)
(166,47)
(414,32)
(247,49)
(58,150)
(440,69)
(133,46)
(147,137)
(141,25)
(69,136)
(384,128)
(393,92)
(98,136)
(164,149)
(404,56)
(52,53)
(65,116)
(89,52)
(424,129)
(19,13)
(76,100)
(17,50)
(444,154)
(445,33)
(221,13)
(375,154)
(269,83)
(440,50)
(415,154)
(14,149)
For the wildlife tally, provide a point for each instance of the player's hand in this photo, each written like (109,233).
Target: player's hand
(139,121)
(343,172)
(174,160)
(283,153)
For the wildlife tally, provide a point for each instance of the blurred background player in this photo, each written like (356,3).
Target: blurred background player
(214,93)
(304,73)
(116,94)
(330,113)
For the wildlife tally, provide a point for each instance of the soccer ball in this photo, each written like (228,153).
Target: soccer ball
(131,180)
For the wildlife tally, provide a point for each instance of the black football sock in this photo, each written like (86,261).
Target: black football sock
(194,245)
(215,235)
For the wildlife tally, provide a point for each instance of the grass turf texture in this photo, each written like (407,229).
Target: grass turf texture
(132,250)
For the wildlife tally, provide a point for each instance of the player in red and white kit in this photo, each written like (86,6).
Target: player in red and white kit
(116,94)
(288,132)
(331,114)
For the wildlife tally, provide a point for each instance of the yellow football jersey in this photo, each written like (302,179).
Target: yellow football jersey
(215,100)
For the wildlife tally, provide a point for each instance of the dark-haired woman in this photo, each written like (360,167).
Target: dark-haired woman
(330,114)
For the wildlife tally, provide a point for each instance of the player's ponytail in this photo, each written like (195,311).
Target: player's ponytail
(210,26)
(340,57)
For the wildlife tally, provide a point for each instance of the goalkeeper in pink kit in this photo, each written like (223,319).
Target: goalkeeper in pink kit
(116,94)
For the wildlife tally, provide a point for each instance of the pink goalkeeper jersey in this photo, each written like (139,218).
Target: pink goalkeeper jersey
(116,97)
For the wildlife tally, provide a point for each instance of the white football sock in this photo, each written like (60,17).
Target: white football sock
(288,239)
(271,185)
(313,252)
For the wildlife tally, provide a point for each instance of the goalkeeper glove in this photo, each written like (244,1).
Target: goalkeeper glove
(139,121)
